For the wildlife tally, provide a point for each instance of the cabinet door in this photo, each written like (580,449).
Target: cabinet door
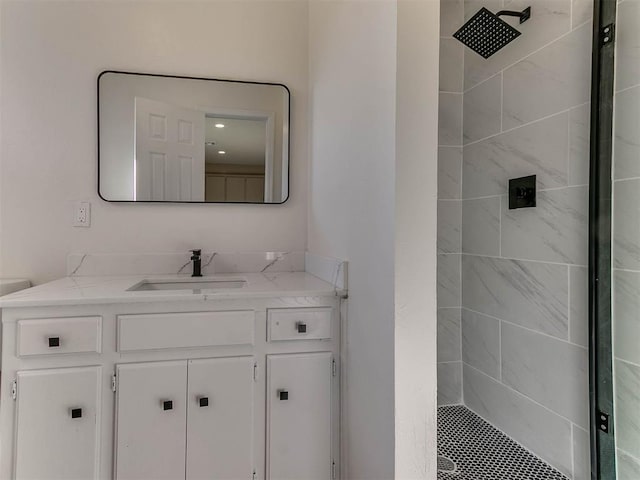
(299,416)
(235,189)
(254,189)
(151,420)
(220,419)
(58,423)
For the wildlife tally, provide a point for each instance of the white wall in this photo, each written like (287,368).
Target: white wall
(373,109)
(352,56)
(51,54)
(415,248)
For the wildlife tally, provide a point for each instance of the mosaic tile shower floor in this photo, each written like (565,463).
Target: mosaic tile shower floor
(471,449)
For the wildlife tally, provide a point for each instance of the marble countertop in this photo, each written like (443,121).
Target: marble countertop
(92,290)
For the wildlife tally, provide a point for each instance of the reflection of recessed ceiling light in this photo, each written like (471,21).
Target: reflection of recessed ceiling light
(219,125)
(221,152)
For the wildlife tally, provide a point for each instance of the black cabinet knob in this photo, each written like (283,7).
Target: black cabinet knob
(167,405)
(301,327)
(283,394)
(76,412)
(203,401)
(54,342)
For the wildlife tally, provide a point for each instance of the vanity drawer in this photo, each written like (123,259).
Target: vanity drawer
(299,324)
(52,336)
(156,331)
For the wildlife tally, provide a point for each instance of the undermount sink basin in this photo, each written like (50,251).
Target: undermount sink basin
(187,284)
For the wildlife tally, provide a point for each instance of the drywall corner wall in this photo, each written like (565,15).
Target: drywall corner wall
(352,69)
(415,247)
(51,53)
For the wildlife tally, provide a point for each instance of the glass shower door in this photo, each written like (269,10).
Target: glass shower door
(614,263)
(625,277)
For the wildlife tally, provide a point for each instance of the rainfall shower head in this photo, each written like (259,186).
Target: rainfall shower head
(485,33)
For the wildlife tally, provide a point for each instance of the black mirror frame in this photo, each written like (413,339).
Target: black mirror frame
(147,202)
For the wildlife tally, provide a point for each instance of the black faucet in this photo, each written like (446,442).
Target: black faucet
(197,263)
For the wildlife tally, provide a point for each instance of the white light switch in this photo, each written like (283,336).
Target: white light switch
(82,214)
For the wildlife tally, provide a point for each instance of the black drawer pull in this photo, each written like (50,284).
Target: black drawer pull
(203,401)
(54,342)
(167,405)
(301,327)
(76,412)
(283,394)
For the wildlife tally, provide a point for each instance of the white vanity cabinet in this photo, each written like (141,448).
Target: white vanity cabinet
(194,416)
(58,423)
(227,389)
(299,416)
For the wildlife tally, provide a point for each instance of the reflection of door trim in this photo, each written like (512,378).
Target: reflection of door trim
(269,153)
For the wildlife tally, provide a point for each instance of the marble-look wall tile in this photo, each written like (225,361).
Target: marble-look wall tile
(581,454)
(537,428)
(481,226)
(471,7)
(579,135)
(551,372)
(449,291)
(451,15)
(628,45)
(449,226)
(628,467)
(626,320)
(627,134)
(556,230)
(450,119)
(626,224)
(627,403)
(451,57)
(539,149)
(534,295)
(449,335)
(482,110)
(449,173)
(450,383)
(550,19)
(579,305)
(550,80)
(481,342)
(581,11)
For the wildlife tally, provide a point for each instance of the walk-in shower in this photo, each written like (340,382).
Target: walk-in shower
(538,307)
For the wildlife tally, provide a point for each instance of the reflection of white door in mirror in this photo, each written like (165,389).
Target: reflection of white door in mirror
(169,152)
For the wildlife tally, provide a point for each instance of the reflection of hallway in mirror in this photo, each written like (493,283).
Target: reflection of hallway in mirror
(234,185)
(236,151)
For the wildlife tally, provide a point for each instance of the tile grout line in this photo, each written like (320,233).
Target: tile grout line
(521,59)
(629,362)
(569,304)
(528,124)
(513,259)
(532,330)
(573,460)
(520,394)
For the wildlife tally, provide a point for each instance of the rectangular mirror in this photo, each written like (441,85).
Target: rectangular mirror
(183,139)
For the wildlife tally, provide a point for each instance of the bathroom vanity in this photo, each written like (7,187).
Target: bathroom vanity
(138,377)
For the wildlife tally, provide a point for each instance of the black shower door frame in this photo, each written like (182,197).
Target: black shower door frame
(603,465)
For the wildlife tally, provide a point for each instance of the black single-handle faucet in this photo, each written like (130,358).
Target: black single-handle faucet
(197,263)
